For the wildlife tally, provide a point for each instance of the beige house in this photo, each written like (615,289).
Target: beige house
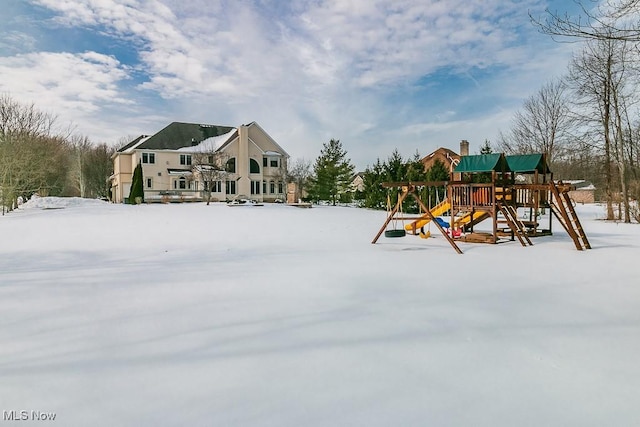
(255,164)
(357,183)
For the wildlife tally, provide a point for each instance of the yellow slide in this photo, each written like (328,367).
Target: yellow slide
(461,222)
(437,210)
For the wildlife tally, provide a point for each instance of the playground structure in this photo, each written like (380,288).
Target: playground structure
(516,193)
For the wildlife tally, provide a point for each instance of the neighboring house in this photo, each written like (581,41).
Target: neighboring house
(450,159)
(357,183)
(255,163)
(585,191)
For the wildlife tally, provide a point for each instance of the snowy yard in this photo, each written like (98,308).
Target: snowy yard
(195,315)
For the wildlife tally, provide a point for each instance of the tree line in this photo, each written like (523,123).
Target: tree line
(330,178)
(588,121)
(36,156)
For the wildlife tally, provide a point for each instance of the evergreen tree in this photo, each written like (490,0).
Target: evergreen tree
(484,177)
(395,167)
(374,195)
(437,172)
(333,173)
(415,169)
(137,189)
(486,147)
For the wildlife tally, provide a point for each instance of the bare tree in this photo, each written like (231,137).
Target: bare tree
(24,119)
(299,172)
(32,158)
(80,146)
(600,77)
(98,167)
(611,20)
(209,167)
(542,125)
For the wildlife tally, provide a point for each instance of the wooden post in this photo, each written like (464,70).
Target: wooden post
(433,220)
(391,215)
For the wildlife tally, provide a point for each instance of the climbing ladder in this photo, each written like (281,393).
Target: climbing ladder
(517,227)
(562,208)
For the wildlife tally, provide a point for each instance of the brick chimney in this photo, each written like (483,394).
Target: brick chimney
(464,147)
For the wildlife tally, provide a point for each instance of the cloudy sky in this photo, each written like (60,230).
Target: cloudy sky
(376,74)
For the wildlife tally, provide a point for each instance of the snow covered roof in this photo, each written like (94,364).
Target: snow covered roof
(177,135)
(179,172)
(213,143)
(134,144)
(272,153)
(580,184)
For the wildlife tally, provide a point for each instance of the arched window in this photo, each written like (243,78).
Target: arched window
(254,167)
(231,165)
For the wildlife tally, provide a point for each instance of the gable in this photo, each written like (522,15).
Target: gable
(263,140)
(446,156)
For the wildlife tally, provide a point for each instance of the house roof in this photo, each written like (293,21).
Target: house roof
(178,135)
(580,184)
(449,155)
(528,163)
(193,137)
(213,143)
(483,163)
(132,144)
(269,153)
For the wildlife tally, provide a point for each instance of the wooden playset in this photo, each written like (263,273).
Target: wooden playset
(516,193)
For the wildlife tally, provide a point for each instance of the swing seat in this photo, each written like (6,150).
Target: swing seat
(425,235)
(395,233)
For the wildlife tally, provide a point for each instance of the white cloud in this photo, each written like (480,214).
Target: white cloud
(71,86)
(361,43)
(306,70)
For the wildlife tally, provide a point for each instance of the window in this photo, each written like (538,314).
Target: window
(180,183)
(254,167)
(230,187)
(149,182)
(255,187)
(231,166)
(216,186)
(148,158)
(265,162)
(273,163)
(280,187)
(185,159)
(210,159)
(272,187)
(264,187)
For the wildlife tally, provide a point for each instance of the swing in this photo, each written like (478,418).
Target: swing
(395,231)
(427,234)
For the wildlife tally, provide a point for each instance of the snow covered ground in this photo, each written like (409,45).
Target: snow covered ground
(167,315)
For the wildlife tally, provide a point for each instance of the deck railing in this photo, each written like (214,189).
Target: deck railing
(531,195)
(472,195)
